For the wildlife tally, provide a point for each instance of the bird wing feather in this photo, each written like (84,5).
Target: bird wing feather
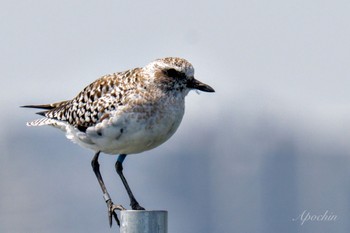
(92,104)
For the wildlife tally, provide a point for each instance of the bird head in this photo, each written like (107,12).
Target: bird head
(175,74)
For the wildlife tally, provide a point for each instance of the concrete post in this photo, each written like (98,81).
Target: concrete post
(143,221)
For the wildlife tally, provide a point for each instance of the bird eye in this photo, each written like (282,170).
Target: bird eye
(174,73)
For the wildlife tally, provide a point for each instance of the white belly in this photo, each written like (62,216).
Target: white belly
(130,133)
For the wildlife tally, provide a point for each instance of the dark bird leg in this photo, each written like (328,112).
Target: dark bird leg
(111,207)
(119,167)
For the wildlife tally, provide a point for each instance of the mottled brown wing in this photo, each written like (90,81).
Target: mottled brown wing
(95,101)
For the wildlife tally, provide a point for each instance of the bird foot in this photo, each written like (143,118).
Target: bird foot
(136,206)
(111,212)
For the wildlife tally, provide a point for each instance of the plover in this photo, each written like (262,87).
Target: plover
(125,113)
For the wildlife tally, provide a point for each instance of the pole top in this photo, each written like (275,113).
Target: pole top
(143,221)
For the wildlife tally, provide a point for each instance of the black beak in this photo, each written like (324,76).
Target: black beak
(195,84)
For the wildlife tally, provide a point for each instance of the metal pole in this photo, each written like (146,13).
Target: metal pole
(143,221)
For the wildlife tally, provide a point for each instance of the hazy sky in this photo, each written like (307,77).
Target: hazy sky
(271,143)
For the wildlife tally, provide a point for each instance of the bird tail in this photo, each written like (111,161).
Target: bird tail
(42,121)
(47,106)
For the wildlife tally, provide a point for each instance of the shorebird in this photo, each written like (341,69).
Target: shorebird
(125,113)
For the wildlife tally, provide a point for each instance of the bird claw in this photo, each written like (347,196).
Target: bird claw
(111,212)
(136,206)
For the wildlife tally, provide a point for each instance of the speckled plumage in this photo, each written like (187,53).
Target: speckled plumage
(126,112)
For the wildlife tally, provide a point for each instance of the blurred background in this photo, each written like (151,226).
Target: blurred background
(265,151)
